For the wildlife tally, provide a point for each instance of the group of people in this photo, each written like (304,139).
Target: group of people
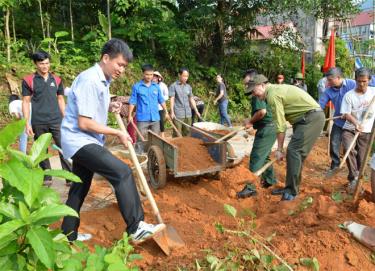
(80,127)
(274,104)
(148,103)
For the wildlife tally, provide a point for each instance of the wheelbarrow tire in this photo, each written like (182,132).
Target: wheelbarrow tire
(157,168)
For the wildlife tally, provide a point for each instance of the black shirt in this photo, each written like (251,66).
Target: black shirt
(221,87)
(44,105)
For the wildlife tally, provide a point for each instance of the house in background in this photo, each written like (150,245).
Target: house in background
(360,27)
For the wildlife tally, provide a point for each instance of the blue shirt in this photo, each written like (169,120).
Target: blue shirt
(147,99)
(372,81)
(88,97)
(335,95)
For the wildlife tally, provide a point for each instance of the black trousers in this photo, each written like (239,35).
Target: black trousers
(193,115)
(94,158)
(54,129)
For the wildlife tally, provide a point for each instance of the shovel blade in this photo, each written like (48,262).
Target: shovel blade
(173,238)
(168,239)
(332,173)
(161,240)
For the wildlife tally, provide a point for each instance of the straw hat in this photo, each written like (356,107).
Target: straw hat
(158,74)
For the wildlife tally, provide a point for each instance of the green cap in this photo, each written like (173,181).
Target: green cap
(258,79)
(299,76)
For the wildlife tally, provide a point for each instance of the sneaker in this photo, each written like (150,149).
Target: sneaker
(287,197)
(145,231)
(83,237)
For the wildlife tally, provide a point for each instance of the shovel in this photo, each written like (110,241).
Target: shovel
(211,94)
(168,238)
(175,128)
(263,169)
(352,144)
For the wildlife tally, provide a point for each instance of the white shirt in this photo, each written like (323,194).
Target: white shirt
(357,104)
(164,93)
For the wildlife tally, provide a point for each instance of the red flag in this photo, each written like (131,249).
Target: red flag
(303,64)
(329,61)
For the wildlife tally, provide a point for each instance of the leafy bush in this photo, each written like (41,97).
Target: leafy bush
(27,208)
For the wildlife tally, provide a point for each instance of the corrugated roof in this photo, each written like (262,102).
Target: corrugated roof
(363,18)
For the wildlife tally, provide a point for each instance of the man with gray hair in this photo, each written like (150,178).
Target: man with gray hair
(338,87)
(354,105)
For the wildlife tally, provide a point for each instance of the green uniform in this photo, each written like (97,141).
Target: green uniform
(289,103)
(264,139)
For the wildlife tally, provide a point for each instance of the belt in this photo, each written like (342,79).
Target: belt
(308,113)
(264,125)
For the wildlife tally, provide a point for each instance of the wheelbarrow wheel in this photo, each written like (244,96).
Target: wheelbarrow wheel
(156,167)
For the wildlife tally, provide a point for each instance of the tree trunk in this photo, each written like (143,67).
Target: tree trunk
(218,37)
(71,20)
(7,32)
(14,27)
(41,18)
(48,32)
(109,19)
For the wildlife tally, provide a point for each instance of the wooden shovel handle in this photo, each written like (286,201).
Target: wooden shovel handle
(138,168)
(263,169)
(175,128)
(229,135)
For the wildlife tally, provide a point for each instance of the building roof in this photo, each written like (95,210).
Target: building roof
(363,18)
(265,31)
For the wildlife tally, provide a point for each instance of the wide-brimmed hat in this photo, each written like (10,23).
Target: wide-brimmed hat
(158,74)
(258,79)
(299,76)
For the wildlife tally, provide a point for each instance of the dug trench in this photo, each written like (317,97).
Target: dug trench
(193,208)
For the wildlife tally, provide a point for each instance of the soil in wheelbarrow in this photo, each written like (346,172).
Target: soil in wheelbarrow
(125,160)
(220,132)
(192,154)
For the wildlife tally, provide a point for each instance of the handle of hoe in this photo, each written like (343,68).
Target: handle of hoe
(175,128)
(137,131)
(229,135)
(263,169)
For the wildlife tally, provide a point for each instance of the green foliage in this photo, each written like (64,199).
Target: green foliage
(27,208)
(306,203)
(313,263)
(339,196)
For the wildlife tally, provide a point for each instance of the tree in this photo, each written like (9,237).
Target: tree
(71,20)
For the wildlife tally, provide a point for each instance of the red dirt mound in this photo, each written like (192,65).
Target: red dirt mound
(301,230)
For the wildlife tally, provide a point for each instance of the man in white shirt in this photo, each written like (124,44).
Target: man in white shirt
(353,108)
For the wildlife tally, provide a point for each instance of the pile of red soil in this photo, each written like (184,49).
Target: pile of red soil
(192,154)
(193,208)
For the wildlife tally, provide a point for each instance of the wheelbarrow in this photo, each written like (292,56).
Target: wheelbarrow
(163,158)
